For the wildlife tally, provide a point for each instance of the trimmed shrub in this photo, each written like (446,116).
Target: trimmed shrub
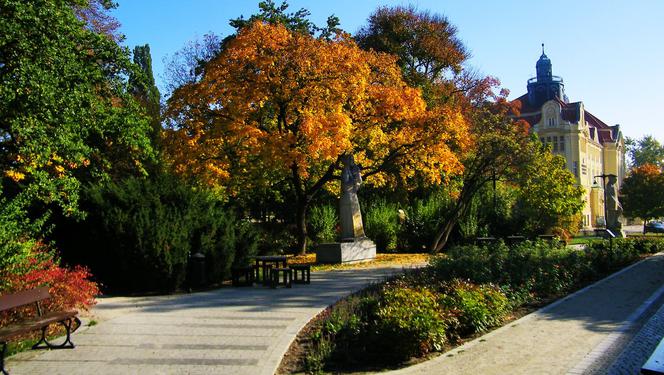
(479,264)
(381,224)
(605,257)
(341,333)
(477,307)
(410,317)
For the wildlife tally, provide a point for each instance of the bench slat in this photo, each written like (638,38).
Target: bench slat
(28,326)
(25,297)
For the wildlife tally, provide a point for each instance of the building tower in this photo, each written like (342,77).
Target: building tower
(545,86)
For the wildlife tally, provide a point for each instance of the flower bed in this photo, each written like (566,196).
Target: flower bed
(467,291)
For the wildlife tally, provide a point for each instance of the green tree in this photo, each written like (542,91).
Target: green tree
(66,116)
(646,150)
(500,146)
(642,192)
(426,44)
(296,21)
(547,191)
(144,89)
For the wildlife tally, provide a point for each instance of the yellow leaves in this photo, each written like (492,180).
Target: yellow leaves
(15,175)
(60,170)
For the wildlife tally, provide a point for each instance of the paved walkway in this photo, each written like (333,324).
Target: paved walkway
(247,330)
(225,331)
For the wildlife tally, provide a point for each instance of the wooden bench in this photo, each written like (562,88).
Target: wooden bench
(42,320)
(655,364)
(305,272)
(287,274)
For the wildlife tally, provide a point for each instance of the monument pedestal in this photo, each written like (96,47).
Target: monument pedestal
(358,250)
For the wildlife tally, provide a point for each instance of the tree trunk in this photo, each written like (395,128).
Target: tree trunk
(460,209)
(302,226)
(444,232)
(304,197)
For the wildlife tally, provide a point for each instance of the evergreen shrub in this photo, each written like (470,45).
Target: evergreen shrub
(140,233)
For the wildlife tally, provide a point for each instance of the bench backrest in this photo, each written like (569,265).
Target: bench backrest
(25,297)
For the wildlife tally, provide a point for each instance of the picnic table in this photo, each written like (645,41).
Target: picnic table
(266,263)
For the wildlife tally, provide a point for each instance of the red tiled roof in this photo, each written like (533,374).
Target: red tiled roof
(569,112)
(604,131)
(525,106)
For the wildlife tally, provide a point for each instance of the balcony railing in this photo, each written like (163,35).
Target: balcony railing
(553,79)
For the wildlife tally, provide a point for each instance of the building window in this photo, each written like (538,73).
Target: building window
(542,140)
(555,143)
(552,122)
(576,168)
(548,139)
(562,143)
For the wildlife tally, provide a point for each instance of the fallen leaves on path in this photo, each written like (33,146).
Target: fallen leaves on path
(382,260)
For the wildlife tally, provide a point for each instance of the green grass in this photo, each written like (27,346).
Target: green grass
(583,240)
(20,346)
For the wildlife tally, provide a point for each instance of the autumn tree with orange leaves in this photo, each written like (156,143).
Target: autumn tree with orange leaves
(288,106)
(642,192)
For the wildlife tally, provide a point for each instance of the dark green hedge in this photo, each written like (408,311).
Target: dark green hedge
(139,235)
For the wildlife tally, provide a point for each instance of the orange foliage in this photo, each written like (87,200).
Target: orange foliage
(293,104)
(649,170)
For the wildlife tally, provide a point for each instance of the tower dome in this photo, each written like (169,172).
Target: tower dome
(543,66)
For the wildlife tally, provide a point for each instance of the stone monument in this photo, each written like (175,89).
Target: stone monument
(613,207)
(354,245)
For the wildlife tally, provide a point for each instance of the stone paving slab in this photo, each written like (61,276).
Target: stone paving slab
(227,331)
(637,352)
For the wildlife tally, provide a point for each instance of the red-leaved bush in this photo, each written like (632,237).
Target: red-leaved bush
(69,288)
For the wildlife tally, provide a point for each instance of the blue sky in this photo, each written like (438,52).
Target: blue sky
(610,53)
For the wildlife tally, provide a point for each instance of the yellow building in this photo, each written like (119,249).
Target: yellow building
(592,148)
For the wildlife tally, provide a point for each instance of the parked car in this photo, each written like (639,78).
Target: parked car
(654,227)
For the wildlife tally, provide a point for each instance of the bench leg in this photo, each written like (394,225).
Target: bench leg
(274,279)
(2,359)
(288,278)
(67,344)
